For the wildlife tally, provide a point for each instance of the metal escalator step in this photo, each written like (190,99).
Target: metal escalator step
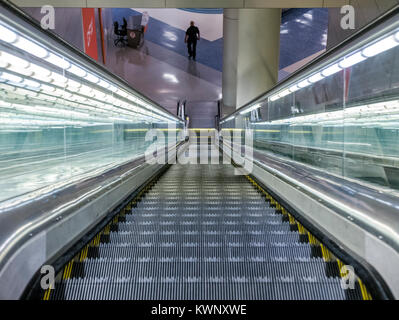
(122,268)
(176,215)
(145,253)
(193,249)
(189,225)
(202,232)
(169,236)
(202,202)
(190,289)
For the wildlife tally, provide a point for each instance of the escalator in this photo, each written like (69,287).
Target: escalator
(79,195)
(201,232)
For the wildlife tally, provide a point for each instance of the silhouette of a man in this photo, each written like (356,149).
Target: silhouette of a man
(192,35)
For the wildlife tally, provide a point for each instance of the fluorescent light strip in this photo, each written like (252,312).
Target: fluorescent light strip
(13,60)
(331,70)
(294,88)
(58,61)
(315,78)
(275,97)
(18,65)
(352,60)
(7,35)
(255,107)
(387,110)
(30,47)
(374,49)
(10,77)
(380,46)
(92,78)
(21,71)
(77,71)
(304,84)
(31,83)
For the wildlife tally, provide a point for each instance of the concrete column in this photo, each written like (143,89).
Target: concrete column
(251,54)
(230,58)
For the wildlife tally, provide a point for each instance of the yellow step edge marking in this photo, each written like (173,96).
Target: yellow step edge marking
(47,293)
(312,240)
(65,275)
(81,255)
(96,240)
(363,289)
(301,229)
(67,270)
(326,253)
(340,265)
(85,252)
(70,270)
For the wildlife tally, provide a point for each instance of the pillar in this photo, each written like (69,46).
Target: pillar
(251,54)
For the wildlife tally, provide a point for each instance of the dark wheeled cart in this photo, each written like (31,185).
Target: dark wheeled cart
(135,37)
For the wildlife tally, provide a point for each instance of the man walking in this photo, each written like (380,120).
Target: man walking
(192,35)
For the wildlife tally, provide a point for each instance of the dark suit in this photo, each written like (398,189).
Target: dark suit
(192,34)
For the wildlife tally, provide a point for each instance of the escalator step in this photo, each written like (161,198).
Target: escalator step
(190,289)
(202,232)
